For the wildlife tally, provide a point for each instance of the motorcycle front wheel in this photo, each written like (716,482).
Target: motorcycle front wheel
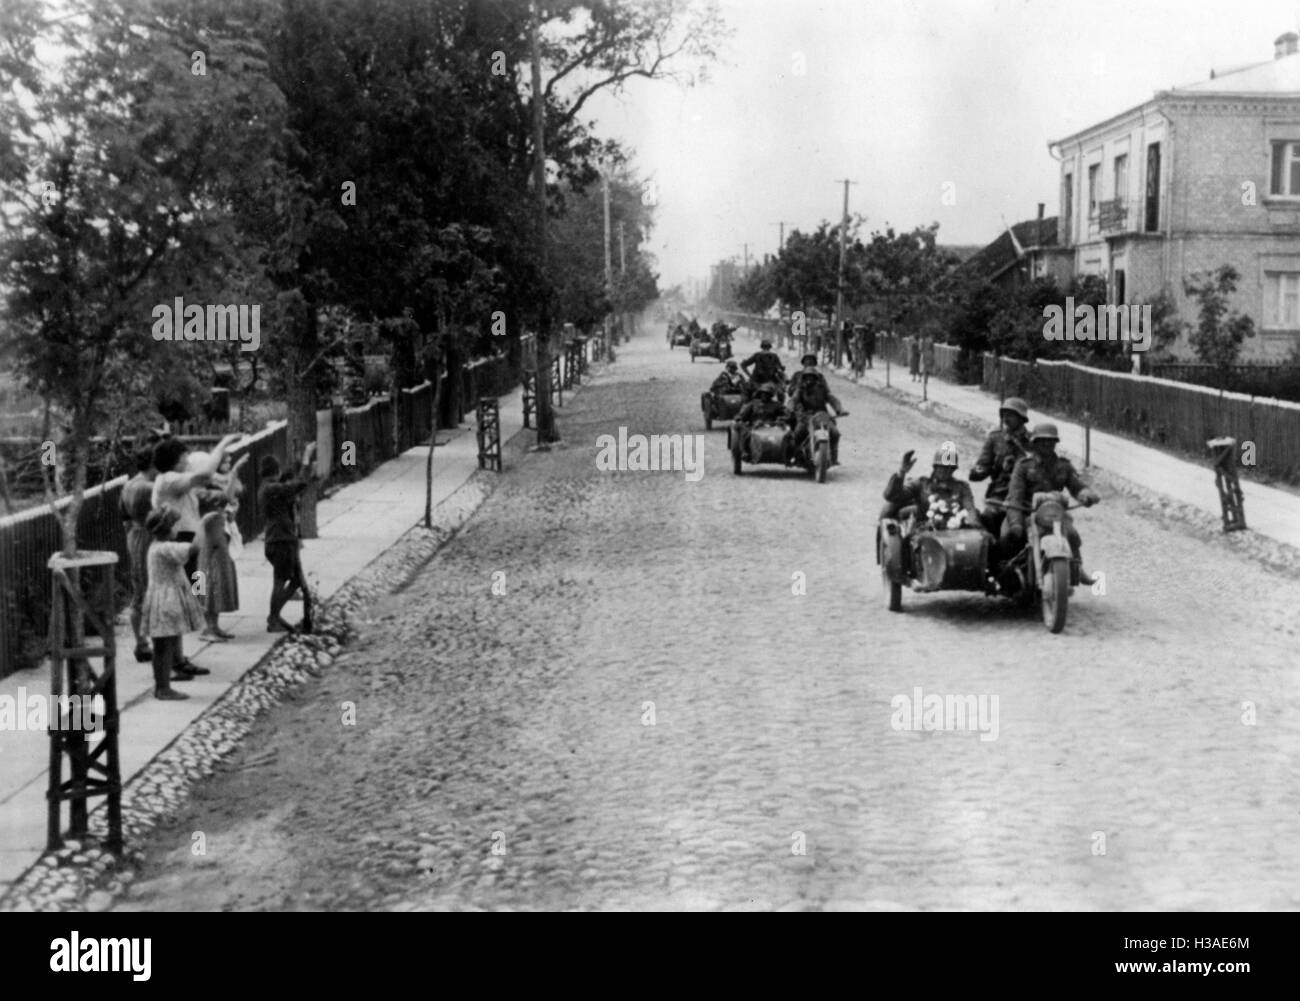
(1055,597)
(822,461)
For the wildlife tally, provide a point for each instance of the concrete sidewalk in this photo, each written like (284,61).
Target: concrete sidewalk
(1270,512)
(356,525)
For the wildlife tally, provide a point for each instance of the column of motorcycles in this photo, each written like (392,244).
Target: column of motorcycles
(933,543)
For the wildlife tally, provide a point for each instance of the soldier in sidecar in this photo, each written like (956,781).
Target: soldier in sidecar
(930,536)
(931,539)
(726,396)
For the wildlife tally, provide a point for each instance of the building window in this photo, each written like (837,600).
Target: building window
(1282,299)
(1067,209)
(1121,178)
(1285,177)
(1153,189)
(1093,172)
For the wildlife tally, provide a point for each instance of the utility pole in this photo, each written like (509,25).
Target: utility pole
(839,294)
(546,432)
(781,246)
(622,275)
(609,267)
(746,271)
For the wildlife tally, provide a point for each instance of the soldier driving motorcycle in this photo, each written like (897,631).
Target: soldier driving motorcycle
(809,393)
(1002,450)
(766,365)
(940,498)
(1042,470)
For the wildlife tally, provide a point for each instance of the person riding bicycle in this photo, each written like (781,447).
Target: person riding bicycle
(1002,450)
(809,393)
(940,499)
(766,365)
(1039,472)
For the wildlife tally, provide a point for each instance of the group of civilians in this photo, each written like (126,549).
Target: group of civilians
(180,512)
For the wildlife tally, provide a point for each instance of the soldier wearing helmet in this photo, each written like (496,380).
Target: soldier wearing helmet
(809,394)
(765,407)
(1043,471)
(729,380)
(766,365)
(1002,450)
(940,498)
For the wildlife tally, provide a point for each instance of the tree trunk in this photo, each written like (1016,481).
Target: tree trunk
(546,431)
(428,463)
(301,392)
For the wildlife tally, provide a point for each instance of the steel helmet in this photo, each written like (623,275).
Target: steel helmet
(808,359)
(731,363)
(946,455)
(765,345)
(1045,430)
(768,388)
(1015,405)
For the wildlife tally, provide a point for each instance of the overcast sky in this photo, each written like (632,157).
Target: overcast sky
(902,96)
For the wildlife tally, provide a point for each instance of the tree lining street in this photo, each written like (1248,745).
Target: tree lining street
(516,719)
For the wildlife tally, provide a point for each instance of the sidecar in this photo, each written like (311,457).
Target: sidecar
(766,445)
(720,407)
(929,559)
(702,345)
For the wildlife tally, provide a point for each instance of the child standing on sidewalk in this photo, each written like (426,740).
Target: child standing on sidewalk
(170,609)
(277,498)
(221,581)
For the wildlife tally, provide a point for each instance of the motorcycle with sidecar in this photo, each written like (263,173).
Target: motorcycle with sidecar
(721,406)
(768,443)
(926,559)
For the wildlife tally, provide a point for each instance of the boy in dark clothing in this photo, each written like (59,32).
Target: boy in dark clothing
(136,503)
(283,546)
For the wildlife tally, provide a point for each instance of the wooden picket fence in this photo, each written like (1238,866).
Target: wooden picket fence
(1178,415)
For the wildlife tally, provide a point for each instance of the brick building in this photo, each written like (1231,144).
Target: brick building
(1195,178)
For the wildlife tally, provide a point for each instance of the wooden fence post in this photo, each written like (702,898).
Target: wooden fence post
(1224,451)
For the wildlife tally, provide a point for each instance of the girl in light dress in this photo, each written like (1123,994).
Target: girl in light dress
(220,578)
(170,608)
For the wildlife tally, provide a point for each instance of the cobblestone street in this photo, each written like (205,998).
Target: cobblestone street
(505,753)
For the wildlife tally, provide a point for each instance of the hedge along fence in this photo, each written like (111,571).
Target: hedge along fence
(1175,414)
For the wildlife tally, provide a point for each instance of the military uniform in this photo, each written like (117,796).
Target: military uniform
(1002,450)
(809,394)
(728,382)
(920,492)
(759,410)
(767,367)
(1037,474)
